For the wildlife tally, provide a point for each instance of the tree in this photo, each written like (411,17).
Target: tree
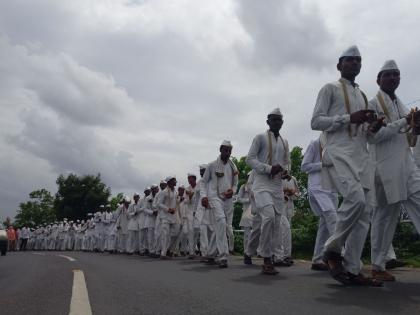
(243,170)
(296,158)
(79,195)
(40,209)
(115,201)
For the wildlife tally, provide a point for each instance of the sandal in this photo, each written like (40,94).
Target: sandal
(361,280)
(334,263)
(269,270)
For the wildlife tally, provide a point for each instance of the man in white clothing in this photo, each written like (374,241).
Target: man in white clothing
(122,224)
(341,112)
(217,188)
(167,206)
(245,197)
(397,177)
(323,203)
(270,159)
(133,226)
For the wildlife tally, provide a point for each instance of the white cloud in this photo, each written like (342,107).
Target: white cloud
(137,90)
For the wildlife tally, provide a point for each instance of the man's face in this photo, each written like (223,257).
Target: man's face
(181,191)
(191,180)
(350,66)
(162,186)
(172,183)
(275,122)
(147,192)
(136,198)
(225,152)
(389,80)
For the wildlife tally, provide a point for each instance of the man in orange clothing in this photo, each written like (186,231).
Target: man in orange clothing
(11,237)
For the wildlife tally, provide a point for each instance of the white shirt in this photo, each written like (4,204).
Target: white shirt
(346,155)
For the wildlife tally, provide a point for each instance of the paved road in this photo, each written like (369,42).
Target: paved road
(41,283)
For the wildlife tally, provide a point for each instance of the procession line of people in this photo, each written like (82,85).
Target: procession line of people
(364,155)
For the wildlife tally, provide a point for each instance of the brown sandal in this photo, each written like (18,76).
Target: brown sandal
(269,270)
(361,280)
(334,263)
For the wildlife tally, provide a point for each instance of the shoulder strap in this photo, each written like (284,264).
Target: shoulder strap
(383,106)
(346,101)
(270,148)
(365,99)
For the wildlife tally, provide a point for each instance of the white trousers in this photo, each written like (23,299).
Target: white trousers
(218,246)
(122,242)
(206,232)
(167,231)
(265,227)
(283,240)
(327,214)
(228,208)
(247,235)
(384,223)
(133,242)
(353,218)
(326,226)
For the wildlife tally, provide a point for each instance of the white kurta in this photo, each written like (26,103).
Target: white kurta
(391,153)
(346,158)
(213,187)
(265,186)
(397,177)
(347,169)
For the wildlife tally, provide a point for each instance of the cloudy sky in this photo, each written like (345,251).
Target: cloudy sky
(137,90)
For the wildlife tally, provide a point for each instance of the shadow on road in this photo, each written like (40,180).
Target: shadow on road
(391,299)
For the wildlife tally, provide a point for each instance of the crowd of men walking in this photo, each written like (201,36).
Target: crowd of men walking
(364,154)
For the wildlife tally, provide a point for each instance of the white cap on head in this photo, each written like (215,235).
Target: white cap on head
(101,206)
(202,166)
(154,186)
(136,195)
(226,143)
(352,51)
(191,174)
(163,181)
(389,65)
(170,177)
(182,186)
(126,199)
(276,111)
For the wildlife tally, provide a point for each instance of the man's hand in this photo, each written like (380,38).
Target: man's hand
(286,175)
(377,125)
(171,210)
(205,202)
(362,116)
(275,169)
(228,194)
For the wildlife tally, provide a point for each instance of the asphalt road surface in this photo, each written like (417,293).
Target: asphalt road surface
(46,283)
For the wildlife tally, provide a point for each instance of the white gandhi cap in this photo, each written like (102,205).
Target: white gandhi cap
(226,143)
(389,65)
(276,111)
(352,51)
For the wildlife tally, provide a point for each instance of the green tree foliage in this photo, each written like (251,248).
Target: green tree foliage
(296,158)
(115,201)
(243,170)
(79,195)
(40,209)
